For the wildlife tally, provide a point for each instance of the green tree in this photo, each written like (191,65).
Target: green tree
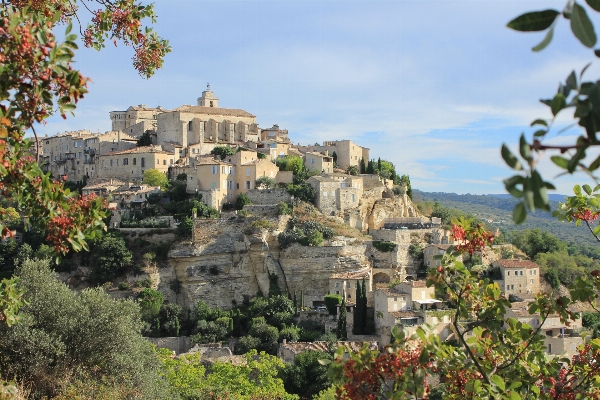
(154,177)
(170,316)
(307,376)
(222,151)
(154,198)
(109,258)
(290,163)
(145,140)
(405,181)
(69,336)
(534,241)
(352,170)
(265,182)
(150,301)
(335,157)
(331,302)
(359,313)
(302,192)
(242,200)
(363,167)
(342,331)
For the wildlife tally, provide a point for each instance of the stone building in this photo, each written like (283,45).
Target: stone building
(275,134)
(347,152)
(560,339)
(206,122)
(129,165)
(136,120)
(336,192)
(317,162)
(133,195)
(288,351)
(346,283)
(519,277)
(432,250)
(102,187)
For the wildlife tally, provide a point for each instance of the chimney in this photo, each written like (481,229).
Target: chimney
(284,341)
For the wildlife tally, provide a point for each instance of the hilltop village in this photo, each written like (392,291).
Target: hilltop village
(343,230)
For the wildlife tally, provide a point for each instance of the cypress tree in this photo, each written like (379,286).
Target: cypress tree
(341,326)
(379,165)
(363,299)
(334,156)
(357,329)
(295,304)
(371,167)
(302,299)
(363,167)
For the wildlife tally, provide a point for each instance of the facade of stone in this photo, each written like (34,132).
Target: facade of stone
(346,283)
(129,165)
(336,192)
(520,277)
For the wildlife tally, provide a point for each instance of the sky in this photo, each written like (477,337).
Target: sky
(435,87)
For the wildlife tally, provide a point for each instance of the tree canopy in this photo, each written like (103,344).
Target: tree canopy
(154,177)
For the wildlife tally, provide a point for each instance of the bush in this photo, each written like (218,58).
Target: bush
(246,343)
(124,285)
(315,238)
(290,334)
(154,177)
(243,213)
(552,278)
(222,151)
(331,302)
(150,302)
(384,246)
(281,319)
(262,224)
(268,336)
(109,258)
(265,182)
(284,208)
(242,200)
(590,319)
(302,192)
(185,228)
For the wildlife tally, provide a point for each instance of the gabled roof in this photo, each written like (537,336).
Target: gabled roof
(404,314)
(392,292)
(138,150)
(517,263)
(215,111)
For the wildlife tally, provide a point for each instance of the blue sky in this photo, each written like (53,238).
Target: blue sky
(433,86)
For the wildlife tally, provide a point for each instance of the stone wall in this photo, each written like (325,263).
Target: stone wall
(180,344)
(268,196)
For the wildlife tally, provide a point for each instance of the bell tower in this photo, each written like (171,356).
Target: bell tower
(208,98)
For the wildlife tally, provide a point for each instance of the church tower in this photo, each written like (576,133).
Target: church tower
(208,98)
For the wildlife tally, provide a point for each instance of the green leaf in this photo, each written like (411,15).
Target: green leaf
(540,132)
(545,42)
(582,27)
(524,148)
(572,80)
(519,213)
(587,189)
(498,381)
(324,361)
(597,53)
(560,161)
(533,21)
(510,158)
(594,165)
(539,122)
(595,4)
(558,103)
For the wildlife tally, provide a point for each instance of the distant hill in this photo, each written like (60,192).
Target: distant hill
(497,211)
(553,197)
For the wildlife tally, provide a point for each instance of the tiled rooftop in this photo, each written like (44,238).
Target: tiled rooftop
(215,111)
(517,263)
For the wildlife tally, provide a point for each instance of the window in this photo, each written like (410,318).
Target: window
(520,273)
(237,185)
(531,281)
(348,284)
(353,198)
(157,162)
(337,284)
(190,126)
(312,160)
(125,161)
(111,162)
(164,162)
(395,299)
(143,162)
(247,171)
(223,169)
(213,185)
(428,263)
(507,273)
(134,161)
(248,185)
(535,271)
(214,169)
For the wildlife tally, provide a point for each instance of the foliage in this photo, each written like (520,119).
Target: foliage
(352,170)
(302,192)
(307,233)
(186,227)
(222,151)
(290,163)
(154,177)
(178,191)
(145,140)
(306,376)
(111,258)
(284,208)
(314,238)
(262,224)
(405,181)
(534,241)
(553,279)
(331,302)
(11,300)
(361,325)
(291,334)
(123,285)
(566,267)
(268,336)
(590,319)
(242,200)
(182,177)
(150,301)
(384,246)
(576,94)
(246,344)
(154,198)
(69,336)
(265,182)
(212,331)
(342,331)
(495,360)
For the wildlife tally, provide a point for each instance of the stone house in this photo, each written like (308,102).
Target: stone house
(135,120)
(132,195)
(519,277)
(271,148)
(560,340)
(317,162)
(274,133)
(102,187)
(432,250)
(129,165)
(336,192)
(346,284)
(288,351)
(347,152)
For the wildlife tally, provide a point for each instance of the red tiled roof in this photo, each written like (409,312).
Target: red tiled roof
(392,292)
(517,264)
(215,111)
(404,314)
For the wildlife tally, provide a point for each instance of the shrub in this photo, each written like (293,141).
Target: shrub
(245,344)
(150,302)
(265,182)
(222,151)
(315,238)
(281,319)
(124,285)
(262,224)
(384,246)
(302,192)
(242,200)
(331,302)
(110,258)
(284,208)
(243,213)
(291,334)
(552,278)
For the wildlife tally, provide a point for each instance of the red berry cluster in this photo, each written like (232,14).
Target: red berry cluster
(472,240)
(586,215)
